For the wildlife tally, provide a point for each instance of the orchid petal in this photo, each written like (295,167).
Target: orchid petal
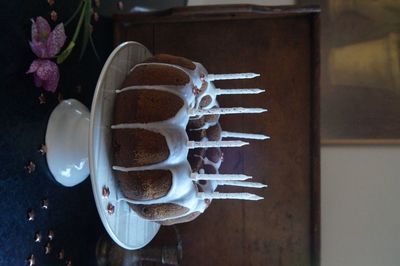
(42,29)
(38,82)
(52,83)
(49,74)
(56,40)
(34,31)
(33,67)
(46,69)
(39,49)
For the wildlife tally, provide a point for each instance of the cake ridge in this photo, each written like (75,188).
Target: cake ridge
(185,191)
(185,93)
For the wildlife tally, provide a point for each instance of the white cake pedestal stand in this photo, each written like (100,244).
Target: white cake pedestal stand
(78,143)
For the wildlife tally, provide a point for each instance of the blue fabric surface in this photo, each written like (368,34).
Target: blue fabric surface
(72,212)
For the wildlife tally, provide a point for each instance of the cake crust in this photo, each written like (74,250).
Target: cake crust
(159,211)
(214,132)
(156,75)
(195,158)
(171,59)
(138,147)
(132,106)
(144,185)
(187,218)
(158,166)
(209,169)
(214,154)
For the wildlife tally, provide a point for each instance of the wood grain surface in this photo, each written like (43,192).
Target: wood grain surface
(282,44)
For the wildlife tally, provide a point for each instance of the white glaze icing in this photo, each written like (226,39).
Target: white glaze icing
(184,191)
(185,92)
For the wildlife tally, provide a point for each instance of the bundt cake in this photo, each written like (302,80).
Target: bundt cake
(166,139)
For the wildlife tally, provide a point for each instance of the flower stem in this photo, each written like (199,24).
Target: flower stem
(67,51)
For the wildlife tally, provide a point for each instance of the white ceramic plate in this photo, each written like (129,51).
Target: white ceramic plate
(124,226)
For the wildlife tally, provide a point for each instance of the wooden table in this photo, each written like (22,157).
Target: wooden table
(281,43)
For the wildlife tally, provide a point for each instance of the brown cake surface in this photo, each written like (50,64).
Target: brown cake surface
(143,145)
(187,218)
(195,158)
(144,185)
(145,106)
(156,75)
(214,132)
(138,147)
(205,101)
(211,119)
(196,135)
(214,154)
(209,169)
(159,211)
(171,59)
(200,122)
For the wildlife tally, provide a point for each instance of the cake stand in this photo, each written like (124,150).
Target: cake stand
(78,143)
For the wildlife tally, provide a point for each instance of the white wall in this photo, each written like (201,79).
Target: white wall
(360,205)
(256,2)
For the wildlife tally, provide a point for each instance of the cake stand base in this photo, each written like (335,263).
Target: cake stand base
(67,142)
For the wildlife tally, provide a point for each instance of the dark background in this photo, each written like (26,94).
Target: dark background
(72,213)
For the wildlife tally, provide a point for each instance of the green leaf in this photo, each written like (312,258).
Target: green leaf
(61,57)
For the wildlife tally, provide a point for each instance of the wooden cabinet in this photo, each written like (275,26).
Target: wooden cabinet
(282,44)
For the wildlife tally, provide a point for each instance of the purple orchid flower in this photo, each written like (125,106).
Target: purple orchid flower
(46,44)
